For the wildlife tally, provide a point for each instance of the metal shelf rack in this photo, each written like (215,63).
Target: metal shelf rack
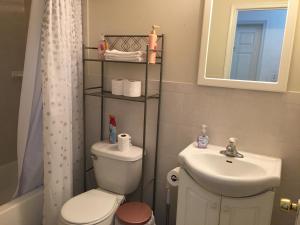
(130,43)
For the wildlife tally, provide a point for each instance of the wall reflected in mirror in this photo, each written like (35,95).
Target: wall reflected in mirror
(246,42)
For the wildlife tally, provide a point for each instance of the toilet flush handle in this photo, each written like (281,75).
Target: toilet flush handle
(94,157)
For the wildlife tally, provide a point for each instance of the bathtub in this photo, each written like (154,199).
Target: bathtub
(25,210)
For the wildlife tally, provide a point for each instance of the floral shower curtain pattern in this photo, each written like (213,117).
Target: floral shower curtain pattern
(61,68)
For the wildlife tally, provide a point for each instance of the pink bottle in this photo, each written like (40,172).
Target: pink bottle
(102,47)
(152,45)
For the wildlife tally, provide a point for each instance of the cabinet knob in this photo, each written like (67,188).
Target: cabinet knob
(287,205)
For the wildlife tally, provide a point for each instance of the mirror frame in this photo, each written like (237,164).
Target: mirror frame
(286,54)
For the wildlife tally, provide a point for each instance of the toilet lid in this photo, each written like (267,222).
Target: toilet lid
(91,206)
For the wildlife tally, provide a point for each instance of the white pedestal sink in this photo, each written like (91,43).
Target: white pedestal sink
(227,176)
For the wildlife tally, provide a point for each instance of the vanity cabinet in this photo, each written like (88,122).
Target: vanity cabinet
(255,210)
(197,206)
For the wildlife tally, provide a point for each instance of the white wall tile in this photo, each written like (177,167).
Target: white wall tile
(264,123)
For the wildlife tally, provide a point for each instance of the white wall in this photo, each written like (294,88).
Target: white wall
(180,21)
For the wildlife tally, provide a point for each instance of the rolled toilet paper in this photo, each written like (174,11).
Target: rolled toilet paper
(124,142)
(173,177)
(132,88)
(117,86)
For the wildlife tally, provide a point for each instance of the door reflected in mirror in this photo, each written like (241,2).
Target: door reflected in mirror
(257,45)
(249,46)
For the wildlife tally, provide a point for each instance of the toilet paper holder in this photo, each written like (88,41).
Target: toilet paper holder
(174,178)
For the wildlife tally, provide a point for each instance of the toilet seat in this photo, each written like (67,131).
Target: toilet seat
(90,207)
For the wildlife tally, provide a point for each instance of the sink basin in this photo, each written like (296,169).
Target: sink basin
(232,177)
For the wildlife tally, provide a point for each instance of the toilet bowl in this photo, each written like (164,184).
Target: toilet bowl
(117,173)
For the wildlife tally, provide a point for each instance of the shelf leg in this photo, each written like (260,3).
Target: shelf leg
(157,127)
(145,126)
(102,101)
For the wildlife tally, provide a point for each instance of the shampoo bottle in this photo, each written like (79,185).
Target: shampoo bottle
(152,45)
(202,140)
(112,130)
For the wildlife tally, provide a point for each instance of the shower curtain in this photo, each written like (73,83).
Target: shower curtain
(61,69)
(29,144)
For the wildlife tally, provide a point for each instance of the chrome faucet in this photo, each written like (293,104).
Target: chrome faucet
(231,150)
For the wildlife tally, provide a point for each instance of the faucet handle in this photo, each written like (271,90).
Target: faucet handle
(232,140)
(231,147)
(231,150)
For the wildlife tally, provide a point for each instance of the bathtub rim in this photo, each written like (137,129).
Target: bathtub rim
(14,202)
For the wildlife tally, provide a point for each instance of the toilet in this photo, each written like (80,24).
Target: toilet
(117,173)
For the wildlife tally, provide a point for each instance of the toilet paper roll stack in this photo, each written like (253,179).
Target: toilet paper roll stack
(132,88)
(117,86)
(173,177)
(129,88)
(124,142)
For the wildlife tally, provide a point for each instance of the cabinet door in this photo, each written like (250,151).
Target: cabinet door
(255,210)
(195,205)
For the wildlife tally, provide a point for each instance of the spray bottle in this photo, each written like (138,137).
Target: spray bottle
(112,130)
(152,45)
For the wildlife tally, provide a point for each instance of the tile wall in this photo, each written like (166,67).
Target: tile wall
(264,123)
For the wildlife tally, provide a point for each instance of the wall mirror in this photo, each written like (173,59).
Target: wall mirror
(247,44)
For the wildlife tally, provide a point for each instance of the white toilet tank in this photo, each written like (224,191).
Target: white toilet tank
(117,171)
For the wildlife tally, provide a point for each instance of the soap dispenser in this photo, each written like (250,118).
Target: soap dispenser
(152,45)
(202,140)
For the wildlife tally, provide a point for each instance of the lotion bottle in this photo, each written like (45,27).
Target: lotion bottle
(202,140)
(102,47)
(152,45)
